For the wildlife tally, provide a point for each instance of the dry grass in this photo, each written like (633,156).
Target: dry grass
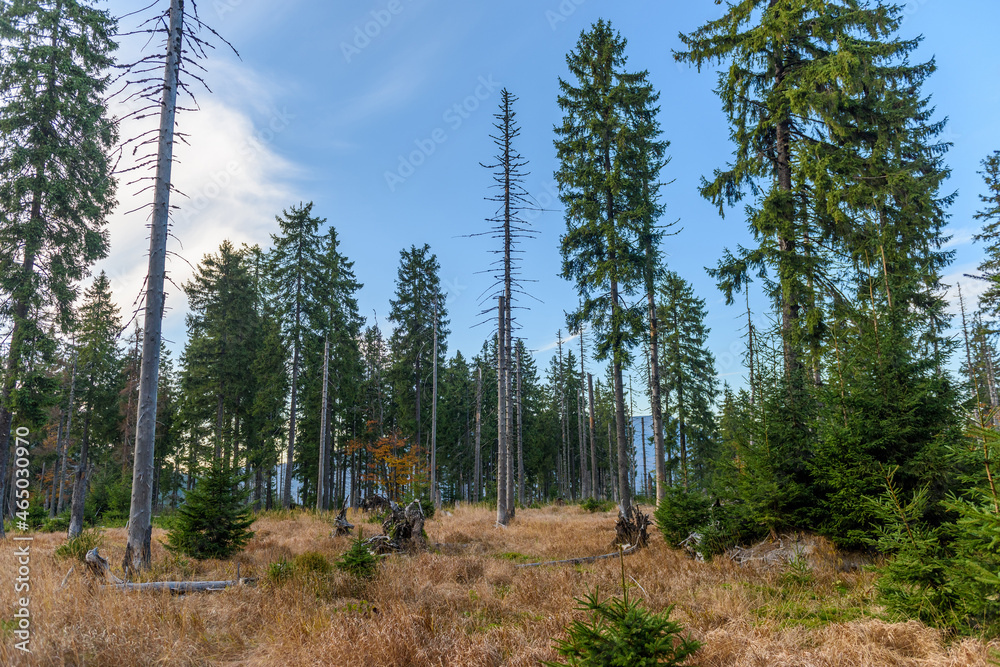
(464,604)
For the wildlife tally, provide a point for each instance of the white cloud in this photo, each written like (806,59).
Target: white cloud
(972,288)
(235,183)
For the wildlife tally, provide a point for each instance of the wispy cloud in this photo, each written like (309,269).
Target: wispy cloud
(233,180)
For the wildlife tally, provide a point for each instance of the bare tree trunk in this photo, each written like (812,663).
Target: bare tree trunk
(612,477)
(624,488)
(81,482)
(655,400)
(501,419)
(323,426)
(60,471)
(563,467)
(520,433)
(435,497)
(478,476)
(584,478)
(593,442)
(645,476)
(137,550)
(286,484)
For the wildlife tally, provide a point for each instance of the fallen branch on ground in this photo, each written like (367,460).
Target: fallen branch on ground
(98,566)
(180,586)
(631,549)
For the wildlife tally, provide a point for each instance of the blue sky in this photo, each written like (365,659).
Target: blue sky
(380,112)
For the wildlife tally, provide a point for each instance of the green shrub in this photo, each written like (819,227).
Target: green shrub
(944,575)
(681,513)
(77,547)
(279,571)
(36,513)
(214,522)
(358,561)
(311,561)
(594,505)
(110,498)
(622,632)
(57,524)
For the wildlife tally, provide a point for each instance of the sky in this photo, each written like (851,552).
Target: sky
(380,112)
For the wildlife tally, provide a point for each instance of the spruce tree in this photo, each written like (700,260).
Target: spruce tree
(219,353)
(688,375)
(294,264)
(56,183)
(214,521)
(418,293)
(98,378)
(599,180)
(989,268)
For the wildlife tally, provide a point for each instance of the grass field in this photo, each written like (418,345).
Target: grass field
(463,603)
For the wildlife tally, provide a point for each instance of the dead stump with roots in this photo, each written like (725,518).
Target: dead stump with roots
(403,530)
(631,527)
(343,526)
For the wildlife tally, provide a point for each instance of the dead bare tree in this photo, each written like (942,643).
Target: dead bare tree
(509,227)
(162,94)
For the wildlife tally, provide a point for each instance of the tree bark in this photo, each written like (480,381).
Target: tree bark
(478,476)
(137,550)
(60,470)
(593,443)
(321,480)
(435,498)
(501,419)
(80,483)
(520,433)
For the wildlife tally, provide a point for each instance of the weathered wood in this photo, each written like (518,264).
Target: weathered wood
(66,578)
(98,566)
(632,526)
(343,526)
(631,549)
(180,586)
(403,530)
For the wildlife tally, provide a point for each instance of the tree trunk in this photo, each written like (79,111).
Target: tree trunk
(520,433)
(435,497)
(584,477)
(80,483)
(656,403)
(286,487)
(593,443)
(624,488)
(137,550)
(323,426)
(501,419)
(478,476)
(57,507)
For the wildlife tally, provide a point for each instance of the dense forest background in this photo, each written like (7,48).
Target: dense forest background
(864,401)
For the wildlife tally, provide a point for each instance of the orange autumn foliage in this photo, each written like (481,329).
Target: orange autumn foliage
(391,462)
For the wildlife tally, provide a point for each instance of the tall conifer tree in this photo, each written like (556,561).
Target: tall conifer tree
(600,179)
(56,183)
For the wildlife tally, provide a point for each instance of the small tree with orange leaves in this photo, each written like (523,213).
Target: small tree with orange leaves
(392,464)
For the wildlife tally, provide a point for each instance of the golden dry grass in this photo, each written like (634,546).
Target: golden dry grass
(463,604)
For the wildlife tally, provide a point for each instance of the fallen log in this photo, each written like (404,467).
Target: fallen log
(179,587)
(631,549)
(98,566)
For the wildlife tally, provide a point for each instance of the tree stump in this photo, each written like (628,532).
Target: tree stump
(343,526)
(631,527)
(98,566)
(403,530)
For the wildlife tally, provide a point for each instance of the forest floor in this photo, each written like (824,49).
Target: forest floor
(463,603)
